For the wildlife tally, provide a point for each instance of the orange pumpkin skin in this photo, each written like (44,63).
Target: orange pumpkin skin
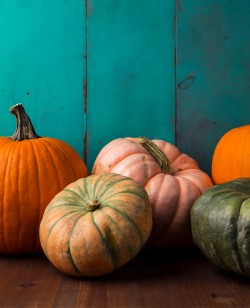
(32,172)
(96,224)
(171,193)
(231,158)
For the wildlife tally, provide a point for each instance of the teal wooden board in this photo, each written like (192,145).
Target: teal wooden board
(42,47)
(131,86)
(213,73)
(174,70)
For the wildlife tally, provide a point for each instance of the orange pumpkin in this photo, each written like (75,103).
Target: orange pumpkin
(96,224)
(231,158)
(33,170)
(172,180)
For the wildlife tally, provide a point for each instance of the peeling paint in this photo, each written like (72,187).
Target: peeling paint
(85,141)
(85,95)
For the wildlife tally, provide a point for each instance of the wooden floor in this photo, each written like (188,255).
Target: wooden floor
(186,279)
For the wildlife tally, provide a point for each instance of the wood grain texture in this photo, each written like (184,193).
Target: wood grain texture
(186,279)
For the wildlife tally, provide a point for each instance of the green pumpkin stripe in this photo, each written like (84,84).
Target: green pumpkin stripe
(78,207)
(127,191)
(69,249)
(107,187)
(129,247)
(82,195)
(95,188)
(125,216)
(114,255)
(57,221)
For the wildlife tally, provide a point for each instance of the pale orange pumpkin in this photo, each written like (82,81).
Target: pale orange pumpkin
(96,224)
(231,158)
(172,179)
(33,170)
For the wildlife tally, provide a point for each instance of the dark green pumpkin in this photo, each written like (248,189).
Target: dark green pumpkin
(220,220)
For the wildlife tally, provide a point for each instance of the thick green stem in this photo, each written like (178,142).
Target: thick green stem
(24,127)
(158,155)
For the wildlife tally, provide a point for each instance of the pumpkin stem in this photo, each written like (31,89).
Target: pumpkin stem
(24,127)
(158,155)
(92,205)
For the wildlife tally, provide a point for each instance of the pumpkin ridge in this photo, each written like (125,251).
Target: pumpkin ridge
(69,247)
(114,257)
(86,189)
(60,146)
(18,198)
(55,223)
(233,222)
(155,237)
(76,207)
(82,196)
(128,155)
(131,192)
(87,192)
(124,215)
(237,250)
(48,145)
(5,142)
(72,260)
(189,180)
(118,159)
(102,191)
(235,242)
(7,166)
(94,193)
(106,188)
(38,185)
(47,148)
(120,230)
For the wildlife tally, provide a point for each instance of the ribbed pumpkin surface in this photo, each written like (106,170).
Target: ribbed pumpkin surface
(231,158)
(221,225)
(172,187)
(96,225)
(32,172)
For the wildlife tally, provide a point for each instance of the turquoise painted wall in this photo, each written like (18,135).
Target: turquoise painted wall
(42,66)
(131,86)
(212,73)
(91,71)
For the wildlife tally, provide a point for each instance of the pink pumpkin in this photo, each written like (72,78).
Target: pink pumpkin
(173,181)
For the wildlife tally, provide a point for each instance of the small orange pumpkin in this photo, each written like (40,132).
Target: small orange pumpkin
(33,170)
(231,158)
(96,224)
(172,180)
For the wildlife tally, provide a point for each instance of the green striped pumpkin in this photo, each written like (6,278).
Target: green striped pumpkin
(96,224)
(220,221)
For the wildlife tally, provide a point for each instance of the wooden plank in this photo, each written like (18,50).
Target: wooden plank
(213,66)
(42,47)
(130,85)
(180,279)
